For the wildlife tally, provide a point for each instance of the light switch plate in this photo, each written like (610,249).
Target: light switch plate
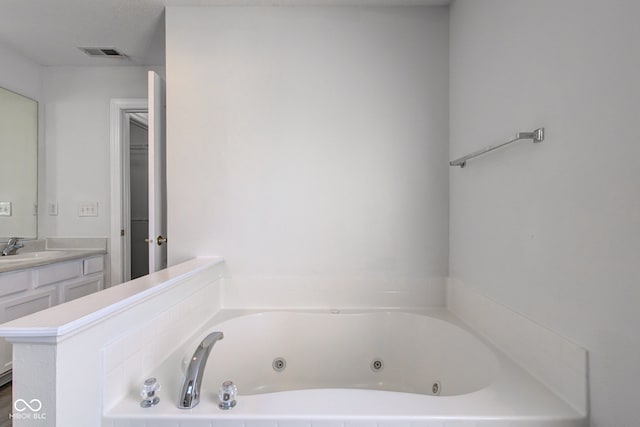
(5,208)
(52,208)
(88,209)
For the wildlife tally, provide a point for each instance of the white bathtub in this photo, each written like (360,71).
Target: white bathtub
(388,351)
(434,372)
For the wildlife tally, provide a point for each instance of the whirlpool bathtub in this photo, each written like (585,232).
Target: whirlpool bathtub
(303,367)
(388,351)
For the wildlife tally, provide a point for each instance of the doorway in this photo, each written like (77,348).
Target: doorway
(138,194)
(127,116)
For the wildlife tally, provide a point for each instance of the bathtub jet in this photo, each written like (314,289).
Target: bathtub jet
(190,392)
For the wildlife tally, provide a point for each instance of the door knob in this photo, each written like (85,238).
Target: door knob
(160,240)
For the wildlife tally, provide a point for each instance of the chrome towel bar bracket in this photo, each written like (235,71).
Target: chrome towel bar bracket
(536,136)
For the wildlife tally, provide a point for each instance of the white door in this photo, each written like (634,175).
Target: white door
(157,175)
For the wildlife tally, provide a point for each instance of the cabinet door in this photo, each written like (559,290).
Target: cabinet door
(14,308)
(79,288)
(14,282)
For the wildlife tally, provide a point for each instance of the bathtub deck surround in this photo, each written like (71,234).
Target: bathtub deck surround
(108,344)
(244,292)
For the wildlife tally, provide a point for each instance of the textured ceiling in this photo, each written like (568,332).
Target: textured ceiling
(49,32)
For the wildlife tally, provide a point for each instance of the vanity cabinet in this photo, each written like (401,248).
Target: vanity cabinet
(24,292)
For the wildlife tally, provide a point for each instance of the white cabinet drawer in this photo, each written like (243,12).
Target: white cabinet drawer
(10,283)
(57,273)
(93,265)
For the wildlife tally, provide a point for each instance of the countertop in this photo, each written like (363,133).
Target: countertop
(36,253)
(25,260)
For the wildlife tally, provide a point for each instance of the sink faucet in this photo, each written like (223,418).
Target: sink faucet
(12,247)
(190,392)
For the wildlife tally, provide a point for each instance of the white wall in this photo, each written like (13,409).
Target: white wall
(551,230)
(20,74)
(78,143)
(310,142)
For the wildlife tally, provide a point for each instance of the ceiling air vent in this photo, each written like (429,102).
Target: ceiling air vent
(108,52)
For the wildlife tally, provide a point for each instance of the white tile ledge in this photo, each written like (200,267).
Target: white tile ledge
(58,322)
(553,359)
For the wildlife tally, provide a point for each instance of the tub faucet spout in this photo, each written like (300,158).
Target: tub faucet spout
(190,392)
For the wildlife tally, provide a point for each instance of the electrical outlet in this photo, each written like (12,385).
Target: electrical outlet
(88,209)
(5,208)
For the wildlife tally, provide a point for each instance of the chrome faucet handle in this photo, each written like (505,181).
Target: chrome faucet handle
(13,241)
(227,395)
(12,246)
(148,393)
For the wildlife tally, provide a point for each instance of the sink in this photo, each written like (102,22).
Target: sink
(30,256)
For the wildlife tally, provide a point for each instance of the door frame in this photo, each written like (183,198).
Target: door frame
(120,109)
(157,173)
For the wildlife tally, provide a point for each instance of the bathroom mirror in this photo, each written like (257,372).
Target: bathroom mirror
(18,166)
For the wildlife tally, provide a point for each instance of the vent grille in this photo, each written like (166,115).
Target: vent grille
(104,52)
